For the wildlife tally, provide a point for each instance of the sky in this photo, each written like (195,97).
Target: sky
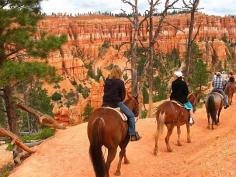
(211,7)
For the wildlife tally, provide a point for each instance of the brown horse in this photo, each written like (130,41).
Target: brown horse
(229,91)
(172,114)
(106,127)
(214,104)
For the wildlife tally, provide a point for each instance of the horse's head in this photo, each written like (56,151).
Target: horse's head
(133,104)
(193,99)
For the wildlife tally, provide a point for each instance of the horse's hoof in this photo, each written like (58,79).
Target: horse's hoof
(179,144)
(188,141)
(126,162)
(117,173)
(169,150)
(155,153)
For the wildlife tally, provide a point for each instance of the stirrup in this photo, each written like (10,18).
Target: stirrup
(135,137)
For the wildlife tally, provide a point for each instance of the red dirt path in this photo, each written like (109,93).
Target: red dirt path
(211,153)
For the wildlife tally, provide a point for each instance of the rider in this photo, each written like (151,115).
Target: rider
(218,85)
(180,93)
(114,94)
(231,77)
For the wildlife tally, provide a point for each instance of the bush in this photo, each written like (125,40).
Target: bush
(72,98)
(87,111)
(43,134)
(144,114)
(56,96)
(145,95)
(5,170)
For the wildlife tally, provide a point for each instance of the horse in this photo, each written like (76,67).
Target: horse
(173,114)
(229,91)
(107,128)
(214,104)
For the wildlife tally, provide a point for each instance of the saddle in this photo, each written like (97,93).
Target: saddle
(217,92)
(122,115)
(178,103)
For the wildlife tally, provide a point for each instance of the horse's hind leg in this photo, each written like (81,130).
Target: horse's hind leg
(121,155)
(110,157)
(178,132)
(218,119)
(126,161)
(188,133)
(169,132)
(208,118)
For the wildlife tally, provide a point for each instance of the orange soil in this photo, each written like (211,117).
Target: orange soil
(212,152)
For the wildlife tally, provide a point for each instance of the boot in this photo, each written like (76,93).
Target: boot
(135,137)
(191,121)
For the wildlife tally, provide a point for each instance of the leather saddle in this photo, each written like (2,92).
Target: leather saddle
(122,115)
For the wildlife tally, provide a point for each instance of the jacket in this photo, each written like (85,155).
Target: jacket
(114,92)
(179,91)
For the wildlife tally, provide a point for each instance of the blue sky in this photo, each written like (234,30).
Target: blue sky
(212,7)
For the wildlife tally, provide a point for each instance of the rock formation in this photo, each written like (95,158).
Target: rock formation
(87,34)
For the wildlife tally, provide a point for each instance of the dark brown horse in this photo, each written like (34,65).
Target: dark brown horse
(172,114)
(106,128)
(229,91)
(214,104)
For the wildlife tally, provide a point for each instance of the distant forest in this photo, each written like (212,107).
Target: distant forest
(174,12)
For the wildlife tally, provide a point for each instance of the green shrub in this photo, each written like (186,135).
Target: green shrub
(5,170)
(144,114)
(43,134)
(87,111)
(85,92)
(56,96)
(71,98)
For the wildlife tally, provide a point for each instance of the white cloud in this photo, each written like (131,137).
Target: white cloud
(216,7)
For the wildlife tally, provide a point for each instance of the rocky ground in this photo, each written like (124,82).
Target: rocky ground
(212,153)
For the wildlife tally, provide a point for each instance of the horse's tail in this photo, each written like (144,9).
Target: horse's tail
(95,149)
(160,122)
(211,107)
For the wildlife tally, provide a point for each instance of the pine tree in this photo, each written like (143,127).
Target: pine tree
(18,41)
(199,75)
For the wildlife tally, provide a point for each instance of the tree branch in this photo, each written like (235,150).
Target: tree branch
(198,29)
(128,2)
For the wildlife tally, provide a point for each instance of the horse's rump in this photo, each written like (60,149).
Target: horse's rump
(113,124)
(175,113)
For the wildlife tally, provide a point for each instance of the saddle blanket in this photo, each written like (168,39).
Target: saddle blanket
(122,115)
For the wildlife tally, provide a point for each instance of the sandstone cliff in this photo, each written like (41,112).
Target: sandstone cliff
(86,36)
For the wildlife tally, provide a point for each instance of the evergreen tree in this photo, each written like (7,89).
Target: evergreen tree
(18,31)
(199,75)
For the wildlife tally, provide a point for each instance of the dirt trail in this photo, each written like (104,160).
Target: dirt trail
(211,153)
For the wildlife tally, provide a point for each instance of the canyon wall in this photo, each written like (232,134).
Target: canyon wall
(87,34)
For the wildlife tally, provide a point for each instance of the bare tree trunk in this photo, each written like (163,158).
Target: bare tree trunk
(15,140)
(10,109)
(150,61)
(134,50)
(43,119)
(153,36)
(192,6)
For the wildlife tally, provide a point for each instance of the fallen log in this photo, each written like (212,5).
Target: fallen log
(15,140)
(43,119)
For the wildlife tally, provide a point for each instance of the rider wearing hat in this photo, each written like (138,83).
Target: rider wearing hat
(180,93)
(218,86)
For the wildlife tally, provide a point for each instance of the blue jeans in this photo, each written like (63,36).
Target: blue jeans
(130,115)
(222,93)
